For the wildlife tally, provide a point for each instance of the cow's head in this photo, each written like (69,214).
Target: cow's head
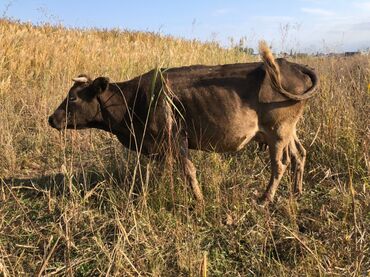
(81,108)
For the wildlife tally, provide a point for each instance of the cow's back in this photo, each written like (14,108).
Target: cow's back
(219,103)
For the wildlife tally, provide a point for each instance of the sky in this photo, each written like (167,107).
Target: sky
(300,25)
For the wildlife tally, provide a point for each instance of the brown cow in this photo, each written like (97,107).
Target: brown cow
(210,108)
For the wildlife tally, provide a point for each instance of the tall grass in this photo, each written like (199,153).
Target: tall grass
(78,204)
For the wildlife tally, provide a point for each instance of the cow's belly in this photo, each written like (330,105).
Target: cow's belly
(225,134)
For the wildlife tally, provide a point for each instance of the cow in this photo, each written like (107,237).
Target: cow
(210,108)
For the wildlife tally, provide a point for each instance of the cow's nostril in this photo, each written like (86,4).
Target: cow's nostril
(51,123)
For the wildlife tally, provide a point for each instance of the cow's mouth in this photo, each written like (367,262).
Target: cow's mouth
(63,125)
(56,125)
(52,123)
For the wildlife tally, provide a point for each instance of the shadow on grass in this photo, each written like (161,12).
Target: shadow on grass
(82,182)
(62,184)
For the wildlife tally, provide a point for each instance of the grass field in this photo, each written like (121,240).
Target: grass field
(78,204)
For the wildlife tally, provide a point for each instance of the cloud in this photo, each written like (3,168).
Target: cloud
(317,11)
(272,18)
(362,26)
(362,5)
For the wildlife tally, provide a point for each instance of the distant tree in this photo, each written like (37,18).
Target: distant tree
(247,50)
(250,51)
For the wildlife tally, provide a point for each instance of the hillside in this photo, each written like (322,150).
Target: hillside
(78,204)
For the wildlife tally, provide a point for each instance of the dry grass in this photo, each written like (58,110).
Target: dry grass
(79,204)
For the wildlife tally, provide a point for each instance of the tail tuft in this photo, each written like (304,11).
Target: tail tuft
(265,52)
(271,67)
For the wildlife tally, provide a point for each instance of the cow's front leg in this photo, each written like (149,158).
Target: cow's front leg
(189,169)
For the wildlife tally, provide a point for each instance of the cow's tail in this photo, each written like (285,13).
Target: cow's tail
(273,71)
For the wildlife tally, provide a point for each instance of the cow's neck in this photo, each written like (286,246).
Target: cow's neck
(115,106)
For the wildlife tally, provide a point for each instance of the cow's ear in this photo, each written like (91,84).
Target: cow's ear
(101,84)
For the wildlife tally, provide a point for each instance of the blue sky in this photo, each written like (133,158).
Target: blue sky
(301,25)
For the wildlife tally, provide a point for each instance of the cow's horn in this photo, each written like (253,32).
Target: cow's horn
(81,79)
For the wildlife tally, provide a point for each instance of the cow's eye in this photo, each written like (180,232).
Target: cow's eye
(72,98)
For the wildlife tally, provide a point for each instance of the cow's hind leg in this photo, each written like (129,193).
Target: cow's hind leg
(279,157)
(189,169)
(298,154)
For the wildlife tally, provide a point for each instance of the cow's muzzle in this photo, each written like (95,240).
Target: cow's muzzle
(51,121)
(57,120)
(54,124)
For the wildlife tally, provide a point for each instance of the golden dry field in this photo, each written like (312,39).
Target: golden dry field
(78,204)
